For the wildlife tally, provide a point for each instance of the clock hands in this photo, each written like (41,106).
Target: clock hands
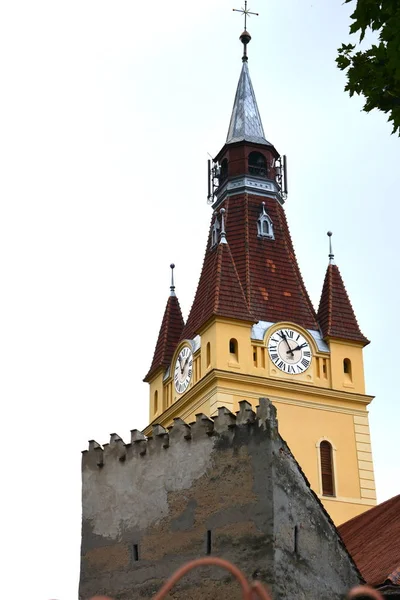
(182,364)
(290,351)
(297,348)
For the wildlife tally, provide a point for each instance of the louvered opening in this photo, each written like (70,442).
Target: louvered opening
(327,469)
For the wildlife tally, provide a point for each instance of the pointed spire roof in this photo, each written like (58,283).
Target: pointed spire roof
(219,292)
(168,337)
(265,271)
(246,122)
(335,314)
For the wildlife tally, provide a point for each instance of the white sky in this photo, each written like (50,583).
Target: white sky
(108,110)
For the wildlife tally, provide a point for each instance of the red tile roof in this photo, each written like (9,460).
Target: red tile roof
(168,337)
(219,293)
(267,269)
(373,540)
(335,313)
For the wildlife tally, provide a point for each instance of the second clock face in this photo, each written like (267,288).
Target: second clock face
(289,351)
(183,369)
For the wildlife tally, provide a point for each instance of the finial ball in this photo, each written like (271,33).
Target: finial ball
(329,233)
(172,266)
(245,37)
(222,211)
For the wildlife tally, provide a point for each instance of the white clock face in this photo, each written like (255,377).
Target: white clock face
(289,351)
(183,369)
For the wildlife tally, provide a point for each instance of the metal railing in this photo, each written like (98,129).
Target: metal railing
(253,590)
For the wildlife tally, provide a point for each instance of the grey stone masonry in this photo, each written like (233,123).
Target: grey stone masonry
(227,486)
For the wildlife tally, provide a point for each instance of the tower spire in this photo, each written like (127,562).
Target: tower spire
(245,124)
(172,286)
(331,255)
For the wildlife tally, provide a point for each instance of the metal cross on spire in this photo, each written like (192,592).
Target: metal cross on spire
(245,11)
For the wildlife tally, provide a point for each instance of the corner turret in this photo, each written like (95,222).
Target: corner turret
(169,335)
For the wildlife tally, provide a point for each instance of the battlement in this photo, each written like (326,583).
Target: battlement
(222,425)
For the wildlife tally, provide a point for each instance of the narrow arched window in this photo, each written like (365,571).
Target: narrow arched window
(257,164)
(215,232)
(208,352)
(328,488)
(347,368)
(265,228)
(224,170)
(155,402)
(233,349)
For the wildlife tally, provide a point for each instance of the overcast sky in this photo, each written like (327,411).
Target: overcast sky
(108,110)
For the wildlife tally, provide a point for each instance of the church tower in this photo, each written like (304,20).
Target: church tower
(253,332)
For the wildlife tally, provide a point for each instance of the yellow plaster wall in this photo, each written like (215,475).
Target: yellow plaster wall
(156,385)
(341,381)
(322,403)
(303,428)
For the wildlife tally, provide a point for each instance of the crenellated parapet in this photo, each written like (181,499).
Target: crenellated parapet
(223,424)
(227,486)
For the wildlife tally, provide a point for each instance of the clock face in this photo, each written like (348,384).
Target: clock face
(289,351)
(183,369)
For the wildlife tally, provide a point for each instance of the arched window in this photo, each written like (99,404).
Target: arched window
(234,349)
(328,488)
(208,357)
(155,402)
(347,369)
(265,228)
(224,170)
(215,232)
(258,164)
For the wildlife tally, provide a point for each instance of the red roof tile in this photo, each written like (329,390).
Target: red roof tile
(267,269)
(372,539)
(219,292)
(335,314)
(169,336)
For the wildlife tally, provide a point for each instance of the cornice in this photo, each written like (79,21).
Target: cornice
(303,388)
(194,397)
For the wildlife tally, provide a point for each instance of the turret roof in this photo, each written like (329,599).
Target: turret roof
(219,293)
(168,337)
(267,270)
(245,124)
(335,314)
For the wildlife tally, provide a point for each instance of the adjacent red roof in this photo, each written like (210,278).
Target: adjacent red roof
(169,336)
(373,540)
(335,313)
(219,293)
(267,270)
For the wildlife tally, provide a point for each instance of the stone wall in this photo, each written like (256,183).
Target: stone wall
(228,486)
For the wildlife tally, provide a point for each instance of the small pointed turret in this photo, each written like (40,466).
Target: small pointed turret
(170,332)
(219,292)
(335,313)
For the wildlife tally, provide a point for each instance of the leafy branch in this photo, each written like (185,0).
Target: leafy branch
(375,72)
